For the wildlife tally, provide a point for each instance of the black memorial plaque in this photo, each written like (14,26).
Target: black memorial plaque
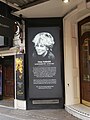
(44,63)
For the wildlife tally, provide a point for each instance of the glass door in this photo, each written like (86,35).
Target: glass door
(85,68)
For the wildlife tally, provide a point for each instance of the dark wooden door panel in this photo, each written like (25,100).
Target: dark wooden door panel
(8,75)
(86,91)
(85,66)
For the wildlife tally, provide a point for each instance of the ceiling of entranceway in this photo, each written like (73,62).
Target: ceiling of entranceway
(22,3)
(42,8)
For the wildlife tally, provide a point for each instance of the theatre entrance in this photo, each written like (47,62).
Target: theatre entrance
(7,79)
(84,52)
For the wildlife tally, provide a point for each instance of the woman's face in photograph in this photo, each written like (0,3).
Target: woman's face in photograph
(41,49)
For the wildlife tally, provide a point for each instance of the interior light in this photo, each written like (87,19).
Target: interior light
(66,1)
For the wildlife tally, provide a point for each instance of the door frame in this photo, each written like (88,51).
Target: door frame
(1,96)
(85,20)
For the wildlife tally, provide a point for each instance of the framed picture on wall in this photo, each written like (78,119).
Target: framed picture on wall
(44,56)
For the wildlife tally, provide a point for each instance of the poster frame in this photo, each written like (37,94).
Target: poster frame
(44,22)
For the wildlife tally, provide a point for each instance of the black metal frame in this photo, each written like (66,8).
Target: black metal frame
(44,22)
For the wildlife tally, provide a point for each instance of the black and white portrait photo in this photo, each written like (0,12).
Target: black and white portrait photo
(43,44)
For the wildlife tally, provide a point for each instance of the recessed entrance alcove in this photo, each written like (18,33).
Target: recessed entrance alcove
(73,91)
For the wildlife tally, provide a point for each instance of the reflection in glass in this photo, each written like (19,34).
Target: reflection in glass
(86,59)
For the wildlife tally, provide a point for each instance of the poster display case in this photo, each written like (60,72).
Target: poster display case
(45,64)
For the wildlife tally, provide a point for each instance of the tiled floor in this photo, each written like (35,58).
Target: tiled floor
(58,114)
(7,102)
(55,114)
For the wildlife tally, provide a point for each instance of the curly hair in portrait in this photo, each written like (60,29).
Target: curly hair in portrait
(43,44)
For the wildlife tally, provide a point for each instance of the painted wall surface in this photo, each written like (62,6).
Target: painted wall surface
(71,56)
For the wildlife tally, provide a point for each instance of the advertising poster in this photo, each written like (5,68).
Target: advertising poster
(44,62)
(20,92)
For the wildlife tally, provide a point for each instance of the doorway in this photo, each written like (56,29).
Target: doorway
(84,60)
(8,77)
(7,80)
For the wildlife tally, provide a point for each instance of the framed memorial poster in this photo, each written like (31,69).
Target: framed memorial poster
(44,62)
